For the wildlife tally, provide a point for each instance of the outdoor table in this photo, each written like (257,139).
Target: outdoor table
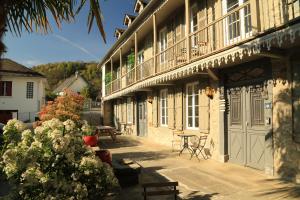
(185,142)
(108,130)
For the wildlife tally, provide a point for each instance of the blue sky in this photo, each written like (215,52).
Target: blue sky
(72,42)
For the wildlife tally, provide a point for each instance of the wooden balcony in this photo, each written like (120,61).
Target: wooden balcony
(145,69)
(233,28)
(116,85)
(108,89)
(174,56)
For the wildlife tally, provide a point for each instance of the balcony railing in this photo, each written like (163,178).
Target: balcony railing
(108,89)
(234,27)
(230,29)
(116,85)
(145,69)
(130,77)
(172,57)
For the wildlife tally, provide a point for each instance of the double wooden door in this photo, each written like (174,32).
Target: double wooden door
(249,125)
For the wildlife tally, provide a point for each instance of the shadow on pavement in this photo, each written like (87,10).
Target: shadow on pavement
(284,189)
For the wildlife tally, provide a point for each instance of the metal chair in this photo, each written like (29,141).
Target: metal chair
(197,147)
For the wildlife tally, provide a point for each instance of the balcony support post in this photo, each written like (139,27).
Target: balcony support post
(135,56)
(255,20)
(111,72)
(187,29)
(121,69)
(103,80)
(154,43)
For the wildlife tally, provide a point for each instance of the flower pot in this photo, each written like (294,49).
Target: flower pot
(90,140)
(105,156)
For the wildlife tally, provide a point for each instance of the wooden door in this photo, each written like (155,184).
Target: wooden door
(5,116)
(249,123)
(142,116)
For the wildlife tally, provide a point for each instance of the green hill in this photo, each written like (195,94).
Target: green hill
(58,72)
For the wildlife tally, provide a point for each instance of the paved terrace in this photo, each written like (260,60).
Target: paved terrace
(204,180)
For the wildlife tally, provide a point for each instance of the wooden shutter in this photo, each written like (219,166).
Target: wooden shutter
(1,88)
(178,108)
(204,114)
(8,88)
(202,21)
(124,113)
(170,34)
(133,109)
(154,109)
(171,112)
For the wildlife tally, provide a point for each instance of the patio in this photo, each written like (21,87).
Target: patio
(204,180)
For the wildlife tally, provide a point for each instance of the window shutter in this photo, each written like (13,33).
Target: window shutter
(154,109)
(8,88)
(133,109)
(170,33)
(203,108)
(202,21)
(124,113)
(171,112)
(1,88)
(178,108)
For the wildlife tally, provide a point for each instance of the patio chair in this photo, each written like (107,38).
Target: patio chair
(197,147)
(176,141)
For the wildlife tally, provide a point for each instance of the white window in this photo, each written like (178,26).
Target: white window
(129,110)
(192,106)
(29,90)
(163,44)
(164,107)
(238,23)
(194,24)
(140,57)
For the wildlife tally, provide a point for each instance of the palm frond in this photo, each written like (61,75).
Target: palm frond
(32,15)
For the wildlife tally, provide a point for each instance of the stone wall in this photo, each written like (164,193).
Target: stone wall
(286,151)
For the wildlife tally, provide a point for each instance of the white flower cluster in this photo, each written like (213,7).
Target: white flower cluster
(54,158)
(69,125)
(14,124)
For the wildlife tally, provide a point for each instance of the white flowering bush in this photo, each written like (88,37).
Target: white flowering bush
(53,163)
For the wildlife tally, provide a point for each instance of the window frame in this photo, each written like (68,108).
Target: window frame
(163,42)
(6,91)
(29,90)
(194,39)
(194,96)
(241,20)
(163,94)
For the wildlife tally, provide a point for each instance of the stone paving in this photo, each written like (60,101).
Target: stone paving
(203,180)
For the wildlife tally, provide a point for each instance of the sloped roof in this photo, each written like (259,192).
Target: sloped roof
(67,83)
(9,67)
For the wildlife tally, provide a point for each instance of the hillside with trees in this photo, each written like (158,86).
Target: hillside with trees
(56,73)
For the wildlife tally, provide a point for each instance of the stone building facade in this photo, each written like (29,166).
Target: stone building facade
(227,69)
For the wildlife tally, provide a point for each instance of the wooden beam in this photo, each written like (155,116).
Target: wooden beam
(212,75)
(187,28)
(144,90)
(277,54)
(154,42)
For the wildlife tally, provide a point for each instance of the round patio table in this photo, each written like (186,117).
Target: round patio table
(185,138)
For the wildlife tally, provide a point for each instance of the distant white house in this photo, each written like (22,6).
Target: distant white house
(22,92)
(74,83)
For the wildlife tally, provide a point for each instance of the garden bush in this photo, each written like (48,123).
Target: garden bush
(53,163)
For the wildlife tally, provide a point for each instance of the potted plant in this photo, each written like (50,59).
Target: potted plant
(89,137)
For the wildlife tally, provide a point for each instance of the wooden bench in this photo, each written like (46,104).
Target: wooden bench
(165,188)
